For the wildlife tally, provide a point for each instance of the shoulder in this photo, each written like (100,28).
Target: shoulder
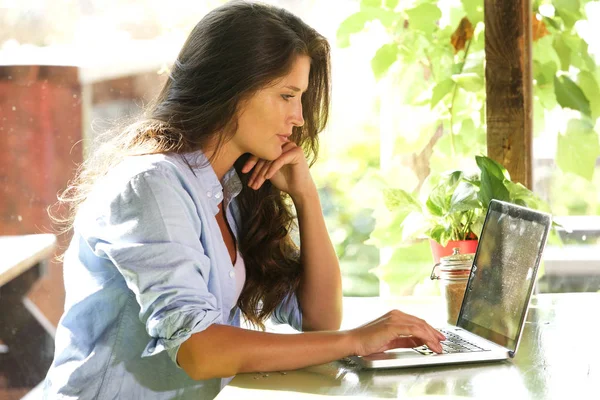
(153,166)
(154,193)
(154,170)
(141,183)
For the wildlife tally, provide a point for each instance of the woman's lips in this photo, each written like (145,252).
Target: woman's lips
(283,138)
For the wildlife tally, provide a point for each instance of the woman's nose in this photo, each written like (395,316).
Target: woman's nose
(297,117)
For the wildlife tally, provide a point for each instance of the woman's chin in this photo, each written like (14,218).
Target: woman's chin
(274,154)
(271,154)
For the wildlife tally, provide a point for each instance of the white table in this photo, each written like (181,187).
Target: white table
(30,346)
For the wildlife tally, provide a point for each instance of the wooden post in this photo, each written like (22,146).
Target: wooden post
(508,75)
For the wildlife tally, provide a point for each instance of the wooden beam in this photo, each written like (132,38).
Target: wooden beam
(509,86)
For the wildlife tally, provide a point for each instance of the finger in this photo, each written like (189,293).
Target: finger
(288,146)
(419,332)
(255,171)
(274,167)
(402,317)
(291,156)
(250,163)
(430,337)
(440,335)
(406,342)
(259,174)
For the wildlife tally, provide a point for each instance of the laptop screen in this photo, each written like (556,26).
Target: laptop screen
(503,273)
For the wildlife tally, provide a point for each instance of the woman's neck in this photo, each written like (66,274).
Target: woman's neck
(223,160)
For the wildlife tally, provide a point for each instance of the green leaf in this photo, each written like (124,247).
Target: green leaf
(383,59)
(492,167)
(569,95)
(491,188)
(400,199)
(579,55)
(578,149)
(453,180)
(552,22)
(591,90)
(544,50)
(587,58)
(519,194)
(569,11)
(438,202)
(353,24)
(356,23)
(441,90)
(564,52)
(440,234)
(464,198)
(457,68)
(547,95)
(391,4)
(434,204)
(468,129)
(424,17)
(477,225)
(474,10)
(471,81)
(545,73)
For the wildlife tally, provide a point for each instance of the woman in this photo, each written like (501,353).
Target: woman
(182,223)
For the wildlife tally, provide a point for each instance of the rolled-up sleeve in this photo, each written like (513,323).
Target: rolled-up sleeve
(288,312)
(150,230)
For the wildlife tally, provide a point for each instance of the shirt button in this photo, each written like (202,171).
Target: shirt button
(209,193)
(218,195)
(231,274)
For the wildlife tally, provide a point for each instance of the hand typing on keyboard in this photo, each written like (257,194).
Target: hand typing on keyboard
(453,344)
(394,330)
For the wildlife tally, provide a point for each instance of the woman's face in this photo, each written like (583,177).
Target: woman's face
(266,119)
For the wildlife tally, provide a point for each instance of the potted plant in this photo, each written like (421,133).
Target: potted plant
(450,208)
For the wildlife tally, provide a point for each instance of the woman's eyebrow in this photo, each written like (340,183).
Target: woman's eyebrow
(294,88)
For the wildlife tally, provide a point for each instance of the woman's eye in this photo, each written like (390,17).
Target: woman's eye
(286,97)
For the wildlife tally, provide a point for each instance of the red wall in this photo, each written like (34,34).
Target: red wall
(40,122)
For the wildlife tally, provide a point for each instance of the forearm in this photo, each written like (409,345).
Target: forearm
(232,350)
(320,292)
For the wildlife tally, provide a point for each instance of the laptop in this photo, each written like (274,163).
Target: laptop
(494,307)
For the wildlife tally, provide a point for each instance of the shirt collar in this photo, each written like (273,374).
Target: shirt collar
(216,191)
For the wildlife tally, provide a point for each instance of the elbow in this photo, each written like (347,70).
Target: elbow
(201,365)
(321,320)
(190,364)
(199,374)
(332,323)
(202,370)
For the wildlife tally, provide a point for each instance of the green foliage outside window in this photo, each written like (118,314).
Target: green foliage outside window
(436,57)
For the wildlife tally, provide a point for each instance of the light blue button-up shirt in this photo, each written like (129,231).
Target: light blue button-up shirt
(147,267)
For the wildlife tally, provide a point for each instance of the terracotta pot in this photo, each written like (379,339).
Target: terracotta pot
(465,246)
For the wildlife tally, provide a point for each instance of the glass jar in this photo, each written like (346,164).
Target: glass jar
(453,273)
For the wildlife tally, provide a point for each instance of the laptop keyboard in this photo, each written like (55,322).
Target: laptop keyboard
(452,344)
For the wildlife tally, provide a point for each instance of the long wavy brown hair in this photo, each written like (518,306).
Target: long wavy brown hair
(232,52)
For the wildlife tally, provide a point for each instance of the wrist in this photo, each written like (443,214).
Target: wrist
(307,195)
(348,343)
